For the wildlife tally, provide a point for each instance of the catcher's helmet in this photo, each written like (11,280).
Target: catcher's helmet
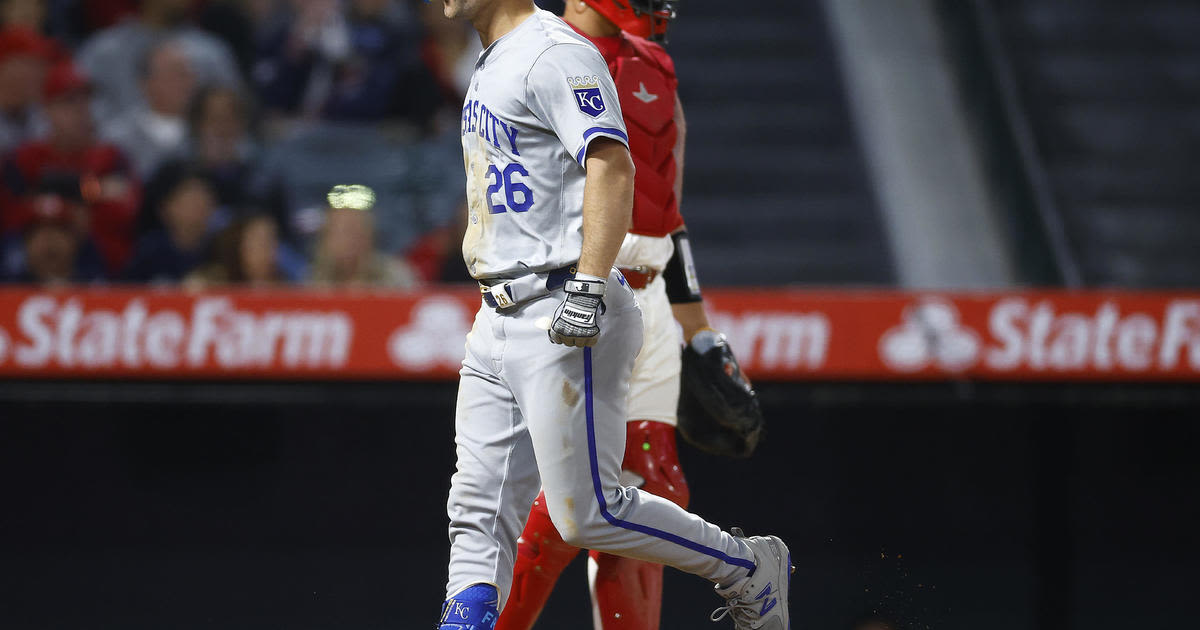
(644,18)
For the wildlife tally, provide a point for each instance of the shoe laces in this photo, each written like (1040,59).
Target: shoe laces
(741,612)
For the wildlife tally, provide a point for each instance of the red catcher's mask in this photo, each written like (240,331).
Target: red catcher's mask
(644,18)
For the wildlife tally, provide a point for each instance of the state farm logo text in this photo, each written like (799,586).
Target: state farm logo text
(777,341)
(1036,335)
(214,332)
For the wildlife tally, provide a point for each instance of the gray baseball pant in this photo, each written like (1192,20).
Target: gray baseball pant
(535,415)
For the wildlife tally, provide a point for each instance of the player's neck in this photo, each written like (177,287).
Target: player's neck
(505,15)
(590,21)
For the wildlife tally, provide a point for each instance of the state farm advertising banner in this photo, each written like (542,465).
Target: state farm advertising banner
(786,335)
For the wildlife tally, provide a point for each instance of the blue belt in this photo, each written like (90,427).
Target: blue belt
(554,280)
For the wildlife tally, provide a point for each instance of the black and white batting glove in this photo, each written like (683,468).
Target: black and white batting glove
(575,320)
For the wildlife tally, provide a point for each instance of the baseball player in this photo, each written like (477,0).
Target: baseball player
(656,262)
(542,394)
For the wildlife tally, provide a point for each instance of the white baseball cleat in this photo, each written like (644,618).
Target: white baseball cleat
(760,601)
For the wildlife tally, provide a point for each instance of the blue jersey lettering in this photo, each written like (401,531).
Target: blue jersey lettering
(478,119)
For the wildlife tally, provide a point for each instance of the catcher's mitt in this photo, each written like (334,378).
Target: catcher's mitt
(718,409)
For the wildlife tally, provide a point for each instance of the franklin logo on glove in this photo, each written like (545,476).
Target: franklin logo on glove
(574,323)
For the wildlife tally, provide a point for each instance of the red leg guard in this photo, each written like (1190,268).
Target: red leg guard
(541,557)
(650,453)
(626,593)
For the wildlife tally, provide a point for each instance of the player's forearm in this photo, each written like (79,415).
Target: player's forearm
(680,143)
(691,318)
(607,205)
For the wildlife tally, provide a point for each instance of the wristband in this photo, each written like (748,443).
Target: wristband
(680,273)
(585,284)
(700,337)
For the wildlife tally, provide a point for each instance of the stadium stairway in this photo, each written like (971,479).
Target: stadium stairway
(1112,91)
(775,187)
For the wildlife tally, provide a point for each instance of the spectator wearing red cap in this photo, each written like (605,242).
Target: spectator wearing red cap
(71,151)
(23,58)
(50,249)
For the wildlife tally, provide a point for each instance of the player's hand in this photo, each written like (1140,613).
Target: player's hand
(575,321)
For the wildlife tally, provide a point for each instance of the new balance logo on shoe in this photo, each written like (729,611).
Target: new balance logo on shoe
(754,602)
(767,605)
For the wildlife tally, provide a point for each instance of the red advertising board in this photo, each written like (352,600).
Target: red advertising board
(786,335)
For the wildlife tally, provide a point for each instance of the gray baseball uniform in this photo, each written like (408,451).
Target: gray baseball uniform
(531,413)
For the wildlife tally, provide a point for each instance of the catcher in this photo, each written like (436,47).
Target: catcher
(718,411)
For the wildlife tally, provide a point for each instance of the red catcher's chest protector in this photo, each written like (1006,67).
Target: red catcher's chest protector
(645,80)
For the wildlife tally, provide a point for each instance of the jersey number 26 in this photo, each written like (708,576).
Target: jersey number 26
(504,179)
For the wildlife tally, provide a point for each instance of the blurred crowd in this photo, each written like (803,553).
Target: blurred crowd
(196,142)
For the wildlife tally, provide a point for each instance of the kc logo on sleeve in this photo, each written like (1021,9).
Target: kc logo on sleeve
(587,94)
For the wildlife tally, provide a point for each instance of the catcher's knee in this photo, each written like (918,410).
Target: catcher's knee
(650,454)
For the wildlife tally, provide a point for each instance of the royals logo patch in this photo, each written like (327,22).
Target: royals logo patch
(587,95)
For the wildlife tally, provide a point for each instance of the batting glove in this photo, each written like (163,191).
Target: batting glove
(575,320)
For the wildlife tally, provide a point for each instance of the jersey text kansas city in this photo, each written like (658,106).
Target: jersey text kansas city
(539,96)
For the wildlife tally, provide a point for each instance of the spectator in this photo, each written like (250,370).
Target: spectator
(296,44)
(235,22)
(247,253)
(219,145)
(170,253)
(113,56)
(347,256)
(221,148)
(51,249)
(152,134)
(365,65)
(29,14)
(23,58)
(420,184)
(219,122)
(72,153)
